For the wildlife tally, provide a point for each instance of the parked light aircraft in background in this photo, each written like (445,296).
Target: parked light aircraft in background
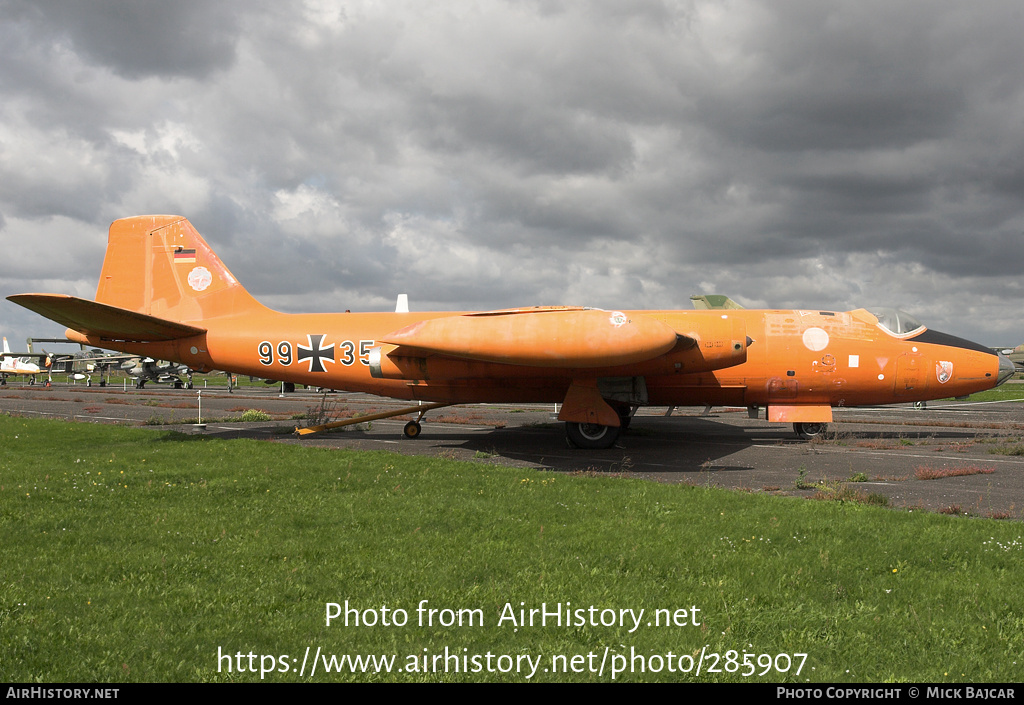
(1016,355)
(161,371)
(163,293)
(141,369)
(21,364)
(713,301)
(82,365)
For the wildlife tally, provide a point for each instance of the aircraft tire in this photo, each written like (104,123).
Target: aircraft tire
(807,431)
(412,429)
(289,387)
(591,436)
(178,385)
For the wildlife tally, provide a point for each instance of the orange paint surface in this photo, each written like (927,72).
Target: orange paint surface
(164,293)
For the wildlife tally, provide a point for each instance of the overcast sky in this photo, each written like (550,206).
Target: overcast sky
(477,155)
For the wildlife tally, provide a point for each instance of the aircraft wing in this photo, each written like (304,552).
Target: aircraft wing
(36,356)
(546,336)
(8,353)
(92,318)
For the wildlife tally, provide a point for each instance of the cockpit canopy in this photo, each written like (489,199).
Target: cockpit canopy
(896,322)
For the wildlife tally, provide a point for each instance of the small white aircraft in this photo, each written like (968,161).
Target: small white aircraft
(21,364)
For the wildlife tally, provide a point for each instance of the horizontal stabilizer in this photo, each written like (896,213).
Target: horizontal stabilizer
(559,337)
(109,322)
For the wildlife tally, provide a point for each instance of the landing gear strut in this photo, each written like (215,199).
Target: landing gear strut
(625,412)
(413,428)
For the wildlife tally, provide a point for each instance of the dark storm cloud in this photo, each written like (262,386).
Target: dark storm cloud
(528,138)
(842,76)
(136,38)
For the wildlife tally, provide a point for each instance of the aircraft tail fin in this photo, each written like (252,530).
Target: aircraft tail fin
(6,348)
(161,267)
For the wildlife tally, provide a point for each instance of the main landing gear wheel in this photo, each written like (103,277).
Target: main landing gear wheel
(412,429)
(591,435)
(807,431)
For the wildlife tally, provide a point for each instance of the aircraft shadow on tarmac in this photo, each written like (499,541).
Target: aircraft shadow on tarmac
(675,445)
(681,444)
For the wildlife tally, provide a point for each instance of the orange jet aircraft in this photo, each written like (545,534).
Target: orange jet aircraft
(164,294)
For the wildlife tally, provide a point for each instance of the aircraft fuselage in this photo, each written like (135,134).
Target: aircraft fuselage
(795,357)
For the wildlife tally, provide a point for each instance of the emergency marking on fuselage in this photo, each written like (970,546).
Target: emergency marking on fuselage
(285,352)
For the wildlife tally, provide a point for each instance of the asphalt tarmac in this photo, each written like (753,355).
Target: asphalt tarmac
(870,451)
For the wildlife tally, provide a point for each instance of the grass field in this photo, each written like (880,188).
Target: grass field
(136,555)
(1006,392)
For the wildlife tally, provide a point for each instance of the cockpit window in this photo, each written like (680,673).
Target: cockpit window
(896,322)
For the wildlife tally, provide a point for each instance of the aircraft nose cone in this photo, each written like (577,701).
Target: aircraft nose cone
(1006,369)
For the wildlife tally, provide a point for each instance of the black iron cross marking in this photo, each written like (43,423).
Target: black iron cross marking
(314,353)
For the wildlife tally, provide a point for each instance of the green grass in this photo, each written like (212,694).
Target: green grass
(134,555)
(1016,449)
(1005,392)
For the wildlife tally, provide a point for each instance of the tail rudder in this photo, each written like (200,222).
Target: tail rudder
(159,265)
(6,349)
